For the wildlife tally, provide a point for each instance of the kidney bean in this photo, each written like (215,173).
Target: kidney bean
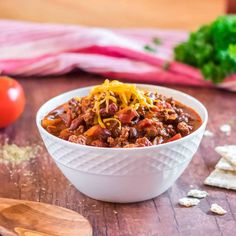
(66,118)
(103,113)
(105,133)
(112,109)
(76,123)
(133,133)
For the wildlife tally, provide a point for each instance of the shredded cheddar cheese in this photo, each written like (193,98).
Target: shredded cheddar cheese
(114,119)
(128,94)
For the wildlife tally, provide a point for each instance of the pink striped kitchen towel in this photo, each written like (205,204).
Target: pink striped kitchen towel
(46,49)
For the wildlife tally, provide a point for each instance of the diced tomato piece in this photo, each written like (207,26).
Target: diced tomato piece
(126,115)
(93,131)
(98,131)
(175,137)
(144,123)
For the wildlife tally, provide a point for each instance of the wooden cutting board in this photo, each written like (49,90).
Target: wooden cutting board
(26,218)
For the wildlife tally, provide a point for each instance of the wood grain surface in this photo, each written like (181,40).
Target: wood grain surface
(178,14)
(27,218)
(161,216)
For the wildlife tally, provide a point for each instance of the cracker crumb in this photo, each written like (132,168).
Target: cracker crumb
(215,208)
(43,189)
(225,128)
(15,155)
(115,212)
(196,193)
(188,202)
(208,133)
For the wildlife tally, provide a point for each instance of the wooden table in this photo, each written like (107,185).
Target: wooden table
(158,217)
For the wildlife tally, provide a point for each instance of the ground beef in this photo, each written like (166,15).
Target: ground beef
(80,129)
(78,139)
(183,117)
(151,132)
(170,130)
(143,142)
(158,140)
(88,117)
(183,128)
(113,124)
(75,107)
(170,115)
(131,145)
(112,142)
(122,140)
(98,143)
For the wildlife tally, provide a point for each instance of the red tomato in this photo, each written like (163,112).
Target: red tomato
(175,137)
(12,101)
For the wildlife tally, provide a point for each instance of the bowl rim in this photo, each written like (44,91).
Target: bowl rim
(159,146)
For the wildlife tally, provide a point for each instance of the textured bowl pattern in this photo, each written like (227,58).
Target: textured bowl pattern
(118,163)
(123,174)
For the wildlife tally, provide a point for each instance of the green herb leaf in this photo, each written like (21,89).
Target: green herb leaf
(212,49)
(149,48)
(156,41)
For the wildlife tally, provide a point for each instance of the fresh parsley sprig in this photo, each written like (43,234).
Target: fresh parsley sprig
(212,49)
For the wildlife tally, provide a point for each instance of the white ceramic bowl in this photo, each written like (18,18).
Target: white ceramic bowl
(123,174)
